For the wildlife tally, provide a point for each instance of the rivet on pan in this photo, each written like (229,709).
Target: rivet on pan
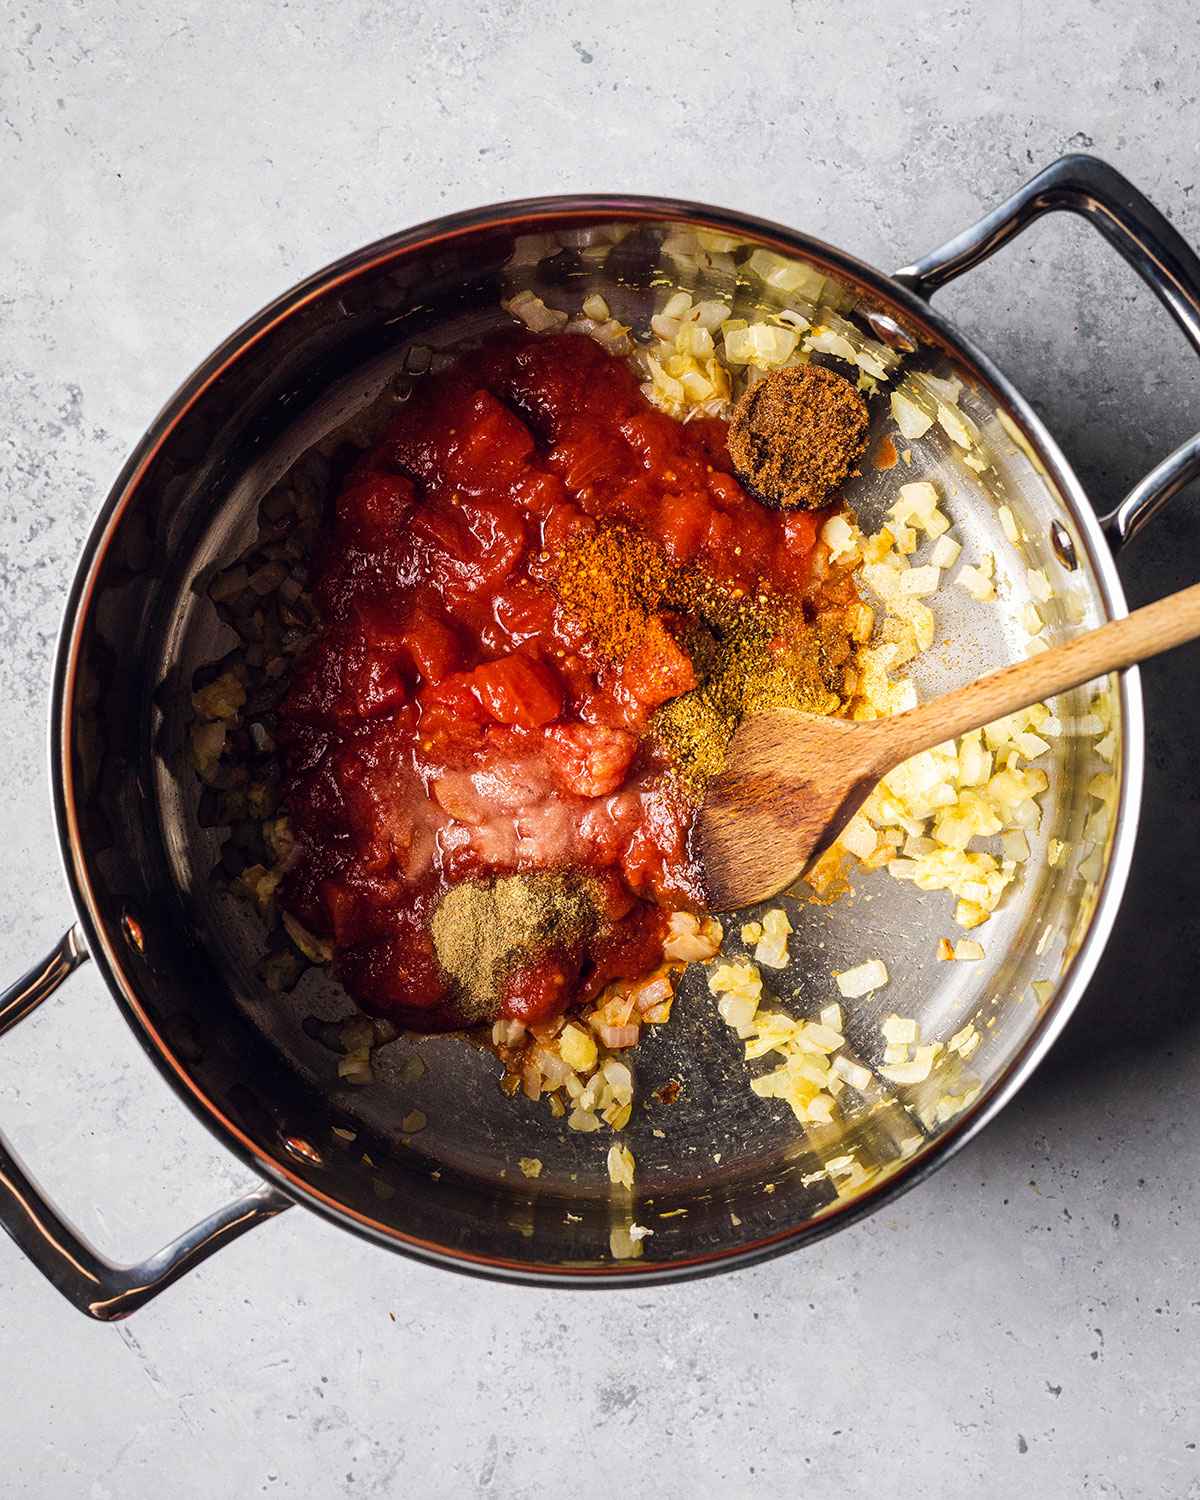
(1064,546)
(296,1146)
(889,332)
(132,929)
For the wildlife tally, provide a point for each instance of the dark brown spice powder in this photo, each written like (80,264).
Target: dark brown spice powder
(795,435)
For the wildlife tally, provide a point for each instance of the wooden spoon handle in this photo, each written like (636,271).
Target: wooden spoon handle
(1157,627)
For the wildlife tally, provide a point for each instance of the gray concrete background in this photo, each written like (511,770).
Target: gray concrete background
(1028,1318)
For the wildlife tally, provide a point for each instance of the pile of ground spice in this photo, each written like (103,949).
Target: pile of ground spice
(483,928)
(775,658)
(618,584)
(750,651)
(621,587)
(795,435)
(611,581)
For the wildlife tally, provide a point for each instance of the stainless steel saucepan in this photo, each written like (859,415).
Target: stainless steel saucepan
(724,1178)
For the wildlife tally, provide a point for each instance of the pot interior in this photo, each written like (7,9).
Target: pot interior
(720,1170)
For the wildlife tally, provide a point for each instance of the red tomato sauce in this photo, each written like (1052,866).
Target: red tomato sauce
(451,722)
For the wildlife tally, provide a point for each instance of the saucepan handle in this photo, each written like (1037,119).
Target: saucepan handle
(1134,227)
(89,1282)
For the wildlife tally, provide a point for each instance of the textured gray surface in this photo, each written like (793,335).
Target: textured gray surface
(1030,1316)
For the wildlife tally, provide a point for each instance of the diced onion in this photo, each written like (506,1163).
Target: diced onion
(619,1036)
(534,313)
(620,1165)
(945,552)
(761,344)
(647,996)
(854,1073)
(911,420)
(921,581)
(577,1048)
(771,949)
(917,502)
(977,584)
(1039,585)
(859,837)
(954,425)
(862,979)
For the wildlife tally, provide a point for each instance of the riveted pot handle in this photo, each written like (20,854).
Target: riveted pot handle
(89,1282)
(1134,227)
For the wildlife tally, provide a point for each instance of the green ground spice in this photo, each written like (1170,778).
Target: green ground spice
(481,929)
(774,659)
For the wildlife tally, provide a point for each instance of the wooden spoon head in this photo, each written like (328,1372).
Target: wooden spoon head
(791,783)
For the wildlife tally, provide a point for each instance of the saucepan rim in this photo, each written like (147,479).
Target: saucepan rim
(527,215)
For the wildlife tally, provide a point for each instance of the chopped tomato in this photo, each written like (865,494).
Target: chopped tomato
(474,544)
(374,686)
(381,626)
(524,612)
(540,989)
(452,717)
(588,759)
(653,437)
(586,458)
(399,976)
(723,535)
(711,434)
(376,502)
(537,493)
(630,950)
(490,443)
(613,897)
(361,680)
(341,906)
(432,644)
(684,522)
(800,531)
(560,525)
(658,669)
(518,689)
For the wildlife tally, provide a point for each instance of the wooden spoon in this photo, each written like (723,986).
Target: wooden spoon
(793,781)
